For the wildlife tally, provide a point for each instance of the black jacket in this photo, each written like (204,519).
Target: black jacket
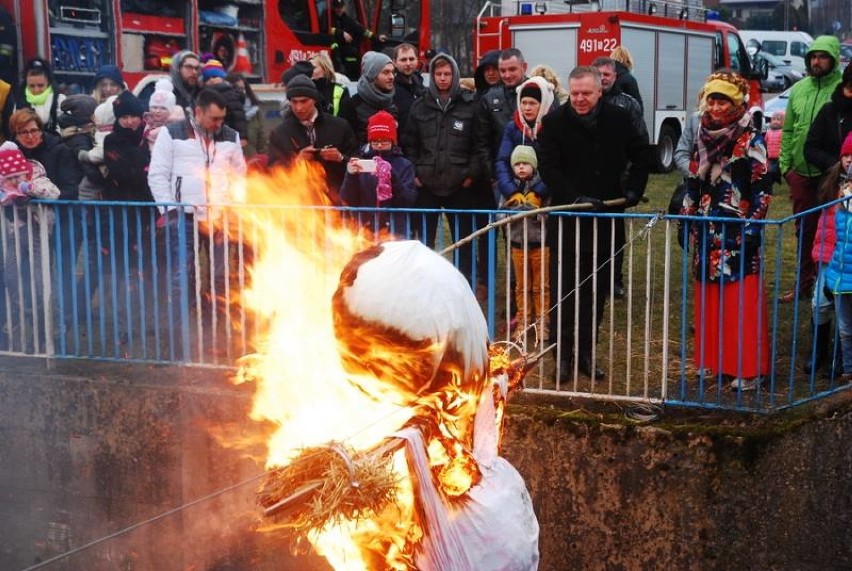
(405,94)
(495,109)
(360,111)
(288,138)
(621,99)
(327,90)
(576,159)
(626,82)
(59,162)
(442,142)
(126,156)
(828,131)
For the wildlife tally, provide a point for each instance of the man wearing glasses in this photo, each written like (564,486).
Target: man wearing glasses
(806,99)
(184,74)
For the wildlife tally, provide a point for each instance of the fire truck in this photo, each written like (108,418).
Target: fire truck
(674,45)
(260,38)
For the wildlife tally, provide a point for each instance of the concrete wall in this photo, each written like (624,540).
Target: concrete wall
(88,449)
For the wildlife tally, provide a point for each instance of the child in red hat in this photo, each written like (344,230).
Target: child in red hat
(380,178)
(21,179)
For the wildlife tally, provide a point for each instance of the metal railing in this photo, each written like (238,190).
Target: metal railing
(115,281)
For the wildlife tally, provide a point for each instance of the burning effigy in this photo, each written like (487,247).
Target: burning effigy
(388,459)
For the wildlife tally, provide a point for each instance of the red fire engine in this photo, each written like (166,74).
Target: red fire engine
(260,38)
(674,47)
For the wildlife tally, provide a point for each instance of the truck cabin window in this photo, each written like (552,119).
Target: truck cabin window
(296,14)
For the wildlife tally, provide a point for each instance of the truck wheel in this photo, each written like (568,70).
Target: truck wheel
(665,149)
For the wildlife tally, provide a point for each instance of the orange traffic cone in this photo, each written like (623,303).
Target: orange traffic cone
(242,63)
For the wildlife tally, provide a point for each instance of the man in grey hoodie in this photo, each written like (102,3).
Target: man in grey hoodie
(441,139)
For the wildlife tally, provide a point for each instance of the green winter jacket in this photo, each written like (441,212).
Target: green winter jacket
(806,99)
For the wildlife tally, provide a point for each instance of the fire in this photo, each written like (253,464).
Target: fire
(322,376)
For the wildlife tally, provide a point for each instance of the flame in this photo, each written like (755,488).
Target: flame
(318,385)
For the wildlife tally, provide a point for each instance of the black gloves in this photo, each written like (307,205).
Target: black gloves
(631,199)
(596,205)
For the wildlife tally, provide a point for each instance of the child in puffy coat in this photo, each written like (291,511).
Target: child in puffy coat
(386,182)
(22,278)
(162,109)
(838,273)
(773,145)
(530,254)
(104,123)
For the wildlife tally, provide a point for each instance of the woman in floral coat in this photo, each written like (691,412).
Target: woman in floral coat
(728,181)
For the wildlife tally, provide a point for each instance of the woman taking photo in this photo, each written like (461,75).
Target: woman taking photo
(727,180)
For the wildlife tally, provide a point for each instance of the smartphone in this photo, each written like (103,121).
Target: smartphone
(367,165)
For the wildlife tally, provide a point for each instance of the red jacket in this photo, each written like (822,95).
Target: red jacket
(826,236)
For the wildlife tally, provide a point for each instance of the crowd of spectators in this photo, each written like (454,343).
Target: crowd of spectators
(511,138)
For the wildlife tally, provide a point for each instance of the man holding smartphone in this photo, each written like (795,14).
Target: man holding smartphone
(310,134)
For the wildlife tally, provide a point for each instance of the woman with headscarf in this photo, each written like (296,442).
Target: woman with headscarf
(40,92)
(727,180)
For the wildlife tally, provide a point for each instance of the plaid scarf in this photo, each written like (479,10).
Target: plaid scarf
(714,138)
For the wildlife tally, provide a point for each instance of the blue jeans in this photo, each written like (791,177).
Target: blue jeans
(822,305)
(184,272)
(843,309)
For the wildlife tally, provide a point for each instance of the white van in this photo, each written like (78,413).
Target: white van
(789,46)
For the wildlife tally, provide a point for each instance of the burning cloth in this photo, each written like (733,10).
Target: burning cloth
(411,332)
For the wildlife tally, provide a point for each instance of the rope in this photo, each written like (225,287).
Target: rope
(146,522)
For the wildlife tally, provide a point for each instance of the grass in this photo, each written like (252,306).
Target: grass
(649,357)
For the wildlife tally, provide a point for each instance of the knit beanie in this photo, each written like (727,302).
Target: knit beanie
(127,104)
(213,68)
(373,63)
(12,161)
(110,72)
(163,95)
(524,154)
(530,89)
(301,67)
(301,86)
(105,114)
(78,109)
(721,86)
(381,126)
(846,149)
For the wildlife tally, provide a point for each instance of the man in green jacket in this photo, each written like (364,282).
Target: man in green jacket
(806,99)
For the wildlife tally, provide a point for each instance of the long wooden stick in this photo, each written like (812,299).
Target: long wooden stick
(526,214)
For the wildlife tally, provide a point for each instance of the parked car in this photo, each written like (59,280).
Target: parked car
(845,54)
(777,103)
(781,76)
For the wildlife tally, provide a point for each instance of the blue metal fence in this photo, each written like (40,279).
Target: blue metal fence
(115,281)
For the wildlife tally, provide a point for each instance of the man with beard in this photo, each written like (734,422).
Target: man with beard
(806,99)
(585,148)
(184,74)
(440,139)
(375,92)
(408,83)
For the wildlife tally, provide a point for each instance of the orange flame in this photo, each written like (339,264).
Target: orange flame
(319,385)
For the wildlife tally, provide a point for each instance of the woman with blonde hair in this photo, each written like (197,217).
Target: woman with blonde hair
(335,96)
(548,73)
(624,73)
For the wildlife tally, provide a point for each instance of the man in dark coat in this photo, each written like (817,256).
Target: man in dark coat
(312,134)
(375,92)
(498,104)
(584,149)
(613,94)
(831,125)
(441,139)
(347,33)
(407,83)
